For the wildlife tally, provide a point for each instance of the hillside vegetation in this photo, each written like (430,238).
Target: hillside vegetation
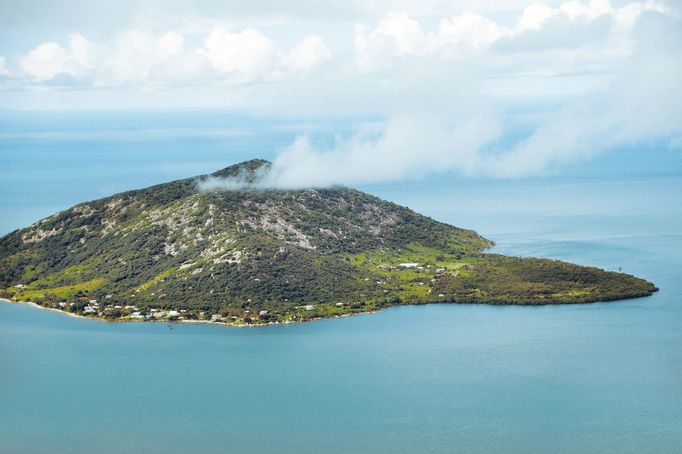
(172,252)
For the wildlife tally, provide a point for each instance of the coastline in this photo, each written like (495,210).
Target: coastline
(189,322)
(292,322)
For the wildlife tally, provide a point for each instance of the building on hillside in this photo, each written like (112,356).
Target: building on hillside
(408,265)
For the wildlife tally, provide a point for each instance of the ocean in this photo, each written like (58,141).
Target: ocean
(595,378)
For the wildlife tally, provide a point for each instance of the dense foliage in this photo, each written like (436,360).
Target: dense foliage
(173,252)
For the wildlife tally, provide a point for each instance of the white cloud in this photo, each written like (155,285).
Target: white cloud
(306,54)
(134,54)
(245,56)
(405,34)
(251,56)
(3,68)
(50,59)
(643,103)
(395,35)
(153,59)
(534,16)
(248,55)
(397,152)
(46,61)
(399,36)
(470,28)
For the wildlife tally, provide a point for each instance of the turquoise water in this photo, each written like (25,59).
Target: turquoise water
(599,378)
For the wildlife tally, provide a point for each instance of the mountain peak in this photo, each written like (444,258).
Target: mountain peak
(246,170)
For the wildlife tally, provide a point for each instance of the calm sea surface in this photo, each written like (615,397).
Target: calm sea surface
(597,378)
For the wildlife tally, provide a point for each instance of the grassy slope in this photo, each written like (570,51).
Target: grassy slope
(235,254)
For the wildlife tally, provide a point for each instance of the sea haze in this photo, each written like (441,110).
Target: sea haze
(596,378)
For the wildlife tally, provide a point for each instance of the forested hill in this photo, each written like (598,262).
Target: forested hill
(250,256)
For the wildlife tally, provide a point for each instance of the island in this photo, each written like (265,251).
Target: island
(252,256)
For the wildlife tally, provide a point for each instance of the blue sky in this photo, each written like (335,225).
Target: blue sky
(448,80)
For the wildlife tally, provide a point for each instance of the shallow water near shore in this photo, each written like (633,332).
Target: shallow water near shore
(595,378)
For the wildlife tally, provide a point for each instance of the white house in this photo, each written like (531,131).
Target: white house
(309,307)
(408,265)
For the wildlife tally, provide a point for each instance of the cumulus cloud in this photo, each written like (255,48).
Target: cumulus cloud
(50,59)
(246,55)
(145,58)
(250,55)
(396,35)
(306,54)
(539,27)
(470,28)
(46,61)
